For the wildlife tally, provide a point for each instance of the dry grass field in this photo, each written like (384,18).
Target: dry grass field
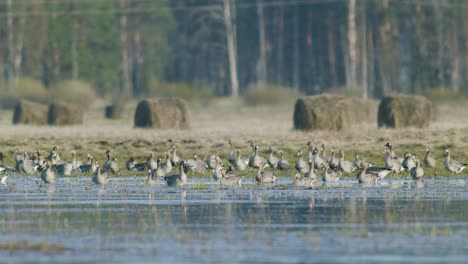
(213,125)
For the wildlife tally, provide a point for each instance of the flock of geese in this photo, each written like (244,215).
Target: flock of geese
(332,167)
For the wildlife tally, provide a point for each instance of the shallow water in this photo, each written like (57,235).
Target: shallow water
(128,221)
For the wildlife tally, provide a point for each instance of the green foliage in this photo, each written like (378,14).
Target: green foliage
(196,93)
(22,88)
(269,95)
(76,92)
(444,95)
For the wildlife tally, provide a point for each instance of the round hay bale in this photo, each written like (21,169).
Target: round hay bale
(30,113)
(162,113)
(321,112)
(399,110)
(64,114)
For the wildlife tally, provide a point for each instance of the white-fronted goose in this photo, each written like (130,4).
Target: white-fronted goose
(230,179)
(174,158)
(392,152)
(330,175)
(151,164)
(48,175)
(429,161)
(272,159)
(255,160)
(323,154)
(75,163)
(359,163)
(365,177)
(265,176)
(64,169)
(179,179)
(310,173)
(408,161)
(344,165)
(453,165)
(88,167)
(17,157)
(159,172)
(391,163)
(304,181)
(417,171)
(196,165)
(131,165)
(111,164)
(149,178)
(301,166)
(167,164)
(218,171)
(240,163)
(310,151)
(100,177)
(283,164)
(334,161)
(319,163)
(4,179)
(212,161)
(231,156)
(380,172)
(26,165)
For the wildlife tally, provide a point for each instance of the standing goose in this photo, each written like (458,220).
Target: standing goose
(75,163)
(218,171)
(265,176)
(212,162)
(310,173)
(360,162)
(88,167)
(344,165)
(131,165)
(334,161)
(304,181)
(26,165)
(301,166)
(417,172)
(429,161)
(159,171)
(48,175)
(272,159)
(230,179)
(240,163)
(100,177)
(231,156)
(380,172)
(255,160)
(151,164)
(64,169)
(113,166)
(174,158)
(149,178)
(167,165)
(365,177)
(408,162)
(179,179)
(319,162)
(310,151)
(323,153)
(283,164)
(196,165)
(56,156)
(17,157)
(330,175)
(392,152)
(453,165)
(391,163)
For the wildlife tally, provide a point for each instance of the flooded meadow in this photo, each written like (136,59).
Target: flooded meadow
(74,220)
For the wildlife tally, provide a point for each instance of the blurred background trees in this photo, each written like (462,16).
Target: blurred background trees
(367,48)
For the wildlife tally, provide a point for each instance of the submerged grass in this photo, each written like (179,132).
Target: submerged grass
(28,246)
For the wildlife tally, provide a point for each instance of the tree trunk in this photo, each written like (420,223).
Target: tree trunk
(440,42)
(231,43)
(125,70)
(262,65)
(296,58)
(280,48)
(11,44)
(363,43)
(331,52)
(352,36)
(74,50)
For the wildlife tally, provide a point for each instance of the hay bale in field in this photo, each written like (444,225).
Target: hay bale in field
(162,113)
(332,112)
(399,110)
(64,114)
(30,113)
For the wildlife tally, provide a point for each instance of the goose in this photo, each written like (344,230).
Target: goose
(100,177)
(283,164)
(255,160)
(53,157)
(4,179)
(149,178)
(358,162)
(323,154)
(196,164)
(75,163)
(301,166)
(88,167)
(408,162)
(344,165)
(319,162)
(392,152)
(330,176)
(240,163)
(17,157)
(212,162)
(26,165)
(381,172)
(265,176)
(191,164)
(40,161)
(56,156)
(366,177)
(159,172)
(310,173)
(179,179)
(48,175)
(334,161)
(64,169)
(429,161)
(218,172)
(151,164)
(310,151)
(417,171)
(231,157)
(174,158)
(229,178)
(113,166)
(131,165)
(3,166)
(272,159)
(304,181)
(391,163)
(453,165)
(167,165)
